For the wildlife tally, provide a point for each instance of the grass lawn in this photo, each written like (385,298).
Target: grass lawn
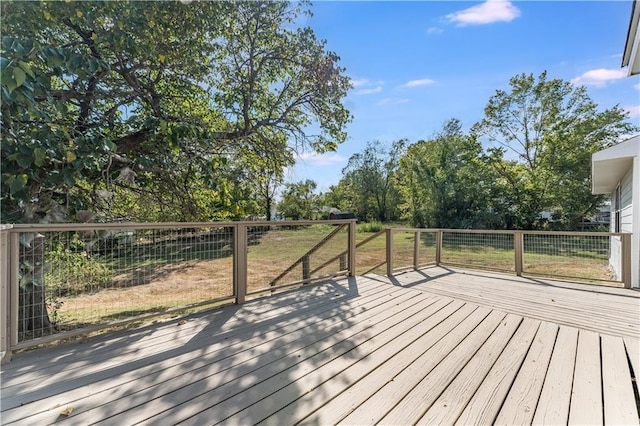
(148,277)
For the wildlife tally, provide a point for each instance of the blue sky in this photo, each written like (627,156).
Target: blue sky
(415,64)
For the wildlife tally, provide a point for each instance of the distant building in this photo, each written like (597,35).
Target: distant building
(341,215)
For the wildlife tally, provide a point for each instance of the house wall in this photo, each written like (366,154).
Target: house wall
(628,211)
(635,239)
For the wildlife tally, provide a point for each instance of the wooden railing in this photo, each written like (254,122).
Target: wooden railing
(238,260)
(578,256)
(40,289)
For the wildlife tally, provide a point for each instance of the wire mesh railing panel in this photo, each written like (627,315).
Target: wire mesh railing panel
(276,253)
(486,250)
(427,248)
(371,255)
(72,279)
(403,249)
(585,257)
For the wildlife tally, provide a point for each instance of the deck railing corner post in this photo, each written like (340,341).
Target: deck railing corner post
(626,260)
(518,248)
(352,248)
(416,250)
(240,262)
(389,251)
(438,246)
(7,310)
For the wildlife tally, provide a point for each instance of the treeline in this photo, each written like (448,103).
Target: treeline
(529,154)
(159,111)
(191,111)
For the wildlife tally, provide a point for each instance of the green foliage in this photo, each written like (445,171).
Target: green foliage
(445,184)
(542,134)
(74,272)
(299,200)
(157,98)
(367,186)
(370,227)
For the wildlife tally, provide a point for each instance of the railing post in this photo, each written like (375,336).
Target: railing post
(438,246)
(240,262)
(626,260)
(352,248)
(13,291)
(389,252)
(518,245)
(416,250)
(5,323)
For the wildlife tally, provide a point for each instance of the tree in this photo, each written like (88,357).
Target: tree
(444,183)
(157,94)
(155,104)
(299,200)
(542,134)
(369,181)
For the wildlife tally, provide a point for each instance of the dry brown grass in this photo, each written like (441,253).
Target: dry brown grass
(150,288)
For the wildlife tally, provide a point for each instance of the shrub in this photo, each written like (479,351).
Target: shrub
(71,273)
(370,227)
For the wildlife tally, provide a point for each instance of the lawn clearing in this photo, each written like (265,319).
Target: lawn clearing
(168,273)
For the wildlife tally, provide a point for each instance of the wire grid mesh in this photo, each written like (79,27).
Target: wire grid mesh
(371,256)
(276,253)
(403,249)
(427,248)
(483,250)
(70,279)
(571,256)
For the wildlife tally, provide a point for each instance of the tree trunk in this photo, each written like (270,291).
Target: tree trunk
(268,208)
(33,318)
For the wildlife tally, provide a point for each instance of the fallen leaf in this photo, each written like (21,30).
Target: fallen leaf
(67,411)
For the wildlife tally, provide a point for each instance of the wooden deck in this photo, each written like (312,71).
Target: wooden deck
(436,346)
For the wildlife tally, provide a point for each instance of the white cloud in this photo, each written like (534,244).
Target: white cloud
(599,77)
(435,30)
(392,101)
(369,91)
(321,160)
(486,13)
(637,86)
(633,110)
(418,83)
(359,82)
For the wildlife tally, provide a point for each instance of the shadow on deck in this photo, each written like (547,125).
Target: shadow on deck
(430,346)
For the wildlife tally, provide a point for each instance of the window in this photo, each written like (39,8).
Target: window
(617,196)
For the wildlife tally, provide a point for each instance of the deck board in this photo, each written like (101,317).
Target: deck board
(327,402)
(449,405)
(486,402)
(619,400)
(586,396)
(435,346)
(553,405)
(522,399)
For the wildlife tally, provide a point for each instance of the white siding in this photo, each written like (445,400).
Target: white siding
(626,220)
(626,187)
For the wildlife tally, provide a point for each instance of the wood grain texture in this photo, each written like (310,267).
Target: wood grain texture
(520,405)
(486,402)
(619,400)
(449,405)
(434,346)
(553,405)
(586,396)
